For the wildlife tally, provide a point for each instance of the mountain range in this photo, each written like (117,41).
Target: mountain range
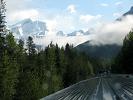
(79,32)
(38,29)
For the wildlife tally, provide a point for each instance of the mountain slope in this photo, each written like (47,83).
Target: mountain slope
(130,12)
(99,51)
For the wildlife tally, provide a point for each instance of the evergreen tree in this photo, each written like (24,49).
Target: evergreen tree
(10,69)
(2,27)
(30,81)
(2,19)
(31,57)
(9,77)
(57,58)
(54,80)
(28,85)
(124,61)
(31,46)
(8,64)
(21,57)
(2,33)
(63,61)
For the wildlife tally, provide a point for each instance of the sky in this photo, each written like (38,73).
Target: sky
(59,14)
(70,15)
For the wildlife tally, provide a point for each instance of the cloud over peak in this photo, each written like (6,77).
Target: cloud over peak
(87,18)
(71,8)
(23,14)
(113,32)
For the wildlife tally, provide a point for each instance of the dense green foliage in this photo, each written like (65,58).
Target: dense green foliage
(123,63)
(29,75)
(101,55)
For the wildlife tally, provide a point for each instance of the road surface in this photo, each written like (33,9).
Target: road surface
(113,87)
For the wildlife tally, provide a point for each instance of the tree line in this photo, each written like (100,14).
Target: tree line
(26,74)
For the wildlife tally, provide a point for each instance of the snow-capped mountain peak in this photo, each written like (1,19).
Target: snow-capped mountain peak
(27,27)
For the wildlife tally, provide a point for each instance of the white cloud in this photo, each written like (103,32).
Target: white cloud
(71,8)
(117,14)
(104,4)
(52,27)
(23,14)
(17,4)
(69,23)
(16,7)
(118,3)
(62,41)
(88,18)
(105,33)
(61,22)
(114,32)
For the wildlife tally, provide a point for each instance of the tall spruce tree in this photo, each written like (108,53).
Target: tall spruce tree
(54,80)
(124,61)
(2,28)
(31,46)
(8,65)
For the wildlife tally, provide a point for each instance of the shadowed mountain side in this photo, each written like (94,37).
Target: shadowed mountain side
(99,51)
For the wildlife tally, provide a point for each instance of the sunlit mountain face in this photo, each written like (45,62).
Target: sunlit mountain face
(28,27)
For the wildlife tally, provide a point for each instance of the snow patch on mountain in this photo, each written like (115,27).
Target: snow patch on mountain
(28,28)
(78,33)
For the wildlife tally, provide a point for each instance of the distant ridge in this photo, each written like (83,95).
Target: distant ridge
(130,12)
(107,51)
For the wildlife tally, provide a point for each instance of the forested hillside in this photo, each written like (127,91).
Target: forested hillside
(107,51)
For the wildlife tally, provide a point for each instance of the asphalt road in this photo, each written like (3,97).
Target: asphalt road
(113,87)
